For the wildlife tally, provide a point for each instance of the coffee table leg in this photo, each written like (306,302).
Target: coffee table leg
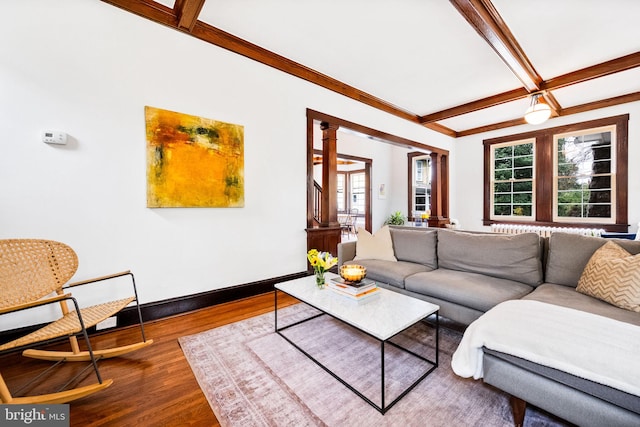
(382,406)
(437,336)
(275,310)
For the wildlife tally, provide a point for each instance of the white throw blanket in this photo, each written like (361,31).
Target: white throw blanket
(586,345)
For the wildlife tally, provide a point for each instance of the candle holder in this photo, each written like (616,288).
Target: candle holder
(353,273)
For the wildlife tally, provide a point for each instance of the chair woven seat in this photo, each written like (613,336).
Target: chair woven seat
(36,273)
(69,324)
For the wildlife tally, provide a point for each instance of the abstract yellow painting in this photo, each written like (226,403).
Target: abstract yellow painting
(193,161)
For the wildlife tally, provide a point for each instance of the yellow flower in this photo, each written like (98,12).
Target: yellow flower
(312,256)
(321,261)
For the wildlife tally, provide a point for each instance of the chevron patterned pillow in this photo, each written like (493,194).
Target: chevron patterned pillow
(613,275)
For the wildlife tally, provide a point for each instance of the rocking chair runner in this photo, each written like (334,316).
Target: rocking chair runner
(30,272)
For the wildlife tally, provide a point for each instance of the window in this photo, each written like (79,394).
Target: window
(341,193)
(513,180)
(584,179)
(421,187)
(574,175)
(357,191)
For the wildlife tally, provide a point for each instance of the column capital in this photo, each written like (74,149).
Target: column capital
(327,126)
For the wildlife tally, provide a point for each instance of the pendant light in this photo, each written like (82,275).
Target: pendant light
(539,111)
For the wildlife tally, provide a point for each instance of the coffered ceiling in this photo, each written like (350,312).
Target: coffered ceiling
(459,67)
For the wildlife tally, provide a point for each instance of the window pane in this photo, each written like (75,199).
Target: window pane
(526,173)
(598,211)
(523,161)
(502,187)
(522,210)
(523,186)
(568,184)
(523,149)
(570,197)
(603,152)
(500,153)
(503,175)
(502,210)
(522,198)
(602,196)
(502,198)
(572,211)
(598,182)
(503,164)
(584,175)
(601,166)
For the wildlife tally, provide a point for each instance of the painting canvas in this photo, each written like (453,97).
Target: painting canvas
(193,161)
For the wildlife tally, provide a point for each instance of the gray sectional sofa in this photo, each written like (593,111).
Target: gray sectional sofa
(468,273)
(464,273)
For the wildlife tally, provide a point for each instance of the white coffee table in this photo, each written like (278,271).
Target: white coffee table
(382,316)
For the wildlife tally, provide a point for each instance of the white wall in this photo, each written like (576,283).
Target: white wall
(88,68)
(468,165)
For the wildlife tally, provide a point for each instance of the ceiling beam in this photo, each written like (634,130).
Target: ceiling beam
(187,12)
(147,9)
(623,63)
(481,14)
(166,16)
(487,22)
(242,47)
(603,103)
(613,66)
(477,105)
(491,127)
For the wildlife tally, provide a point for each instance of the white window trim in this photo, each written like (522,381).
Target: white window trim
(518,218)
(614,161)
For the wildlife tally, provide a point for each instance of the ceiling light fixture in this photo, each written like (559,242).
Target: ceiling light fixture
(539,111)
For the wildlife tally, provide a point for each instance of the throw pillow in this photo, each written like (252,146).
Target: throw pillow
(613,275)
(376,246)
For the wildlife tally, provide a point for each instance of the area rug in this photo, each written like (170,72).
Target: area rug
(251,376)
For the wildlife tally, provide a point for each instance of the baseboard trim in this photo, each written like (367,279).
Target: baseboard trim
(170,307)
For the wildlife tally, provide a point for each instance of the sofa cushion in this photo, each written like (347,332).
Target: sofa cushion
(568,297)
(376,246)
(515,257)
(569,254)
(415,246)
(613,275)
(390,272)
(471,290)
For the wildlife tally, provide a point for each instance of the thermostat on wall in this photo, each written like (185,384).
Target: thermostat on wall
(54,137)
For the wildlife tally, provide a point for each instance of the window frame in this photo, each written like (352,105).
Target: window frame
(527,219)
(421,181)
(612,173)
(544,183)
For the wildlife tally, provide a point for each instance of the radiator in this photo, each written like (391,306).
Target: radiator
(544,231)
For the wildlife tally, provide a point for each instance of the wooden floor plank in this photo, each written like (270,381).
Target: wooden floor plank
(153,386)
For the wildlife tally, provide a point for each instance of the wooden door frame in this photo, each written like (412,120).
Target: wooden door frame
(325,238)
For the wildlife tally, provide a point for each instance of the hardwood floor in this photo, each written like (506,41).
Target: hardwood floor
(153,386)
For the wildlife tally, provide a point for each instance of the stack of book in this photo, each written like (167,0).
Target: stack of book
(357,291)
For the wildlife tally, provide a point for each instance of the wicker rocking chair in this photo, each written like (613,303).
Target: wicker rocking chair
(34,273)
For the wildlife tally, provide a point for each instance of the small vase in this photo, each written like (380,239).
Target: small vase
(320,283)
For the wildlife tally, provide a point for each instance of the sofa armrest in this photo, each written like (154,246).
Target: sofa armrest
(346,252)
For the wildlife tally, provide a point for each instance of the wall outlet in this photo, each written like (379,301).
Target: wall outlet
(110,322)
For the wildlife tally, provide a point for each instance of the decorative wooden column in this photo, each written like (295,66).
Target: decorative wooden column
(327,236)
(329,214)
(439,191)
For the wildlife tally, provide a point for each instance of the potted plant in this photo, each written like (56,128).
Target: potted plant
(395,218)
